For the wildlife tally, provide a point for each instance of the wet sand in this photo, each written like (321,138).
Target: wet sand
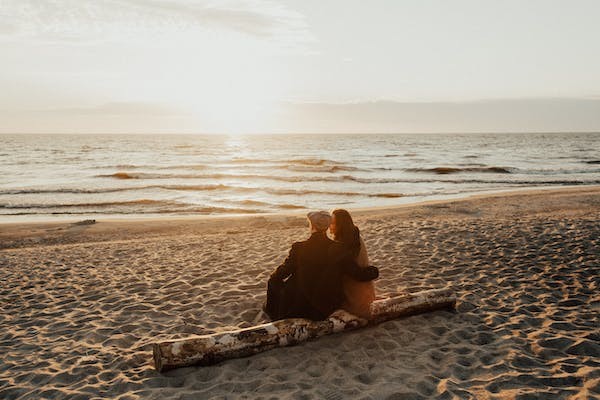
(81,304)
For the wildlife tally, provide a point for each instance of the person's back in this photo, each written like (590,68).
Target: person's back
(321,275)
(358,295)
(315,278)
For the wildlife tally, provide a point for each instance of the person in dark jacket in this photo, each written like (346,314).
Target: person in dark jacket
(309,283)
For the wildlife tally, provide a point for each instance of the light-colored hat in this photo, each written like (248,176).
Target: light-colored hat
(319,220)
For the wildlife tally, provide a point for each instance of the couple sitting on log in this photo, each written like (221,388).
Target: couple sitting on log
(321,275)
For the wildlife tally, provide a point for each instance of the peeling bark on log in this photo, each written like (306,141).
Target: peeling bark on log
(413,303)
(210,349)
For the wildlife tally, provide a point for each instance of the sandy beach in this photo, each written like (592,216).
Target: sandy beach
(82,304)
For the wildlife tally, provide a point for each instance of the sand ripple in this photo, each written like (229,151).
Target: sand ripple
(78,319)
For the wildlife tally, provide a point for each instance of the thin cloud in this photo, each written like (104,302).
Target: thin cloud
(75,20)
(118,108)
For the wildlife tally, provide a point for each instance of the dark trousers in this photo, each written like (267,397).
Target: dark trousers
(284,300)
(275,295)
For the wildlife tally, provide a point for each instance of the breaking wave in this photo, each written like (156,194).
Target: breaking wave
(454,170)
(200,188)
(142,202)
(293,161)
(292,179)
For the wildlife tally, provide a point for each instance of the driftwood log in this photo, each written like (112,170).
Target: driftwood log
(210,349)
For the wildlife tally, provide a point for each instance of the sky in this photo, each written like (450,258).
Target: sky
(295,66)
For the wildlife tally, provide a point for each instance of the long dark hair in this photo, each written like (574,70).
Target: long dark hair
(346,232)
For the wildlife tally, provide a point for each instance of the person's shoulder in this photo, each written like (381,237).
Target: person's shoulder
(337,248)
(335,245)
(298,245)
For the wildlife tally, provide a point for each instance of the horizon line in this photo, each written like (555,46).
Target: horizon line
(303,133)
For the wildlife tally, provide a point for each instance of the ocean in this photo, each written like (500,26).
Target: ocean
(86,176)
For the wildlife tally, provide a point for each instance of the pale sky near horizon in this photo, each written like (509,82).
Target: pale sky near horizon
(299,66)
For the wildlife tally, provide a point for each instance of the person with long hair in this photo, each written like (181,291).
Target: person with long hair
(358,295)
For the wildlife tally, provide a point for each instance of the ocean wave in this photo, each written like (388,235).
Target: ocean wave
(559,171)
(121,175)
(305,192)
(142,202)
(198,188)
(187,211)
(150,205)
(186,166)
(472,167)
(298,192)
(257,203)
(304,166)
(143,206)
(313,161)
(149,166)
(126,166)
(290,206)
(387,195)
(557,182)
(320,168)
(292,161)
(289,179)
(144,175)
(453,170)
(244,160)
(62,190)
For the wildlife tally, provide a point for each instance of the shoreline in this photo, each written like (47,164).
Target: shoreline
(44,219)
(19,234)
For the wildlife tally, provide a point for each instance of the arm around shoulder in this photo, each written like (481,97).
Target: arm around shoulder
(362,274)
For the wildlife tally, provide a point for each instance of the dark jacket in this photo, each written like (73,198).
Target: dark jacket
(309,282)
